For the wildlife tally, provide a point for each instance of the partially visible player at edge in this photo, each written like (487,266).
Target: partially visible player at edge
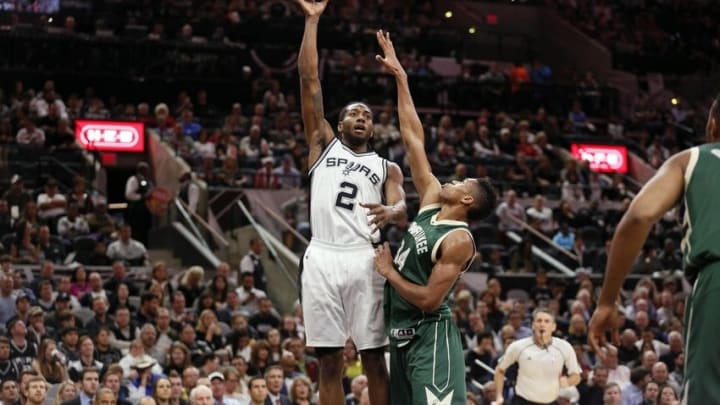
(695,175)
(426,356)
(343,296)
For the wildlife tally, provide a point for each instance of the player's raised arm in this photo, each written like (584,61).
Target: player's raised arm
(411,130)
(318,131)
(655,199)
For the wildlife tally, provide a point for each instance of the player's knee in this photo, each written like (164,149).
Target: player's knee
(373,355)
(331,362)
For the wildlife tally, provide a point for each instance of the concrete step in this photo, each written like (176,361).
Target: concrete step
(173,264)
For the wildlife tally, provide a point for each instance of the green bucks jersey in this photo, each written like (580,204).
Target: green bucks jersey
(415,259)
(701,244)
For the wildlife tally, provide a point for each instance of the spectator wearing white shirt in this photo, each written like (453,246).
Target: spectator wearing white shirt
(189,191)
(617,373)
(126,248)
(203,148)
(72,225)
(510,210)
(217,385)
(136,354)
(30,134)
(541,358)
(51,204)
(542,214)
(47,98)
(485,145)
(248,295)
(137,188)
(252,263)
(253,146)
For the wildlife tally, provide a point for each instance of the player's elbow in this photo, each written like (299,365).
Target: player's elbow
(574,379)
(308,75)
(430,304)
(638,217)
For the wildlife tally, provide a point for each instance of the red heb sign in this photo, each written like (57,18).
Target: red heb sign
(602,158)
(110,136)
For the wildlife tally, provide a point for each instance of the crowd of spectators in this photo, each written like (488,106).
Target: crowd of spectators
(218,328)
(661,31)
(191,329)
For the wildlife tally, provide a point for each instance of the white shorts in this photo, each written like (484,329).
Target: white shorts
(342,296)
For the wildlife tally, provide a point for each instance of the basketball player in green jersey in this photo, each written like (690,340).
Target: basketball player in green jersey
(426,356)
(694,176)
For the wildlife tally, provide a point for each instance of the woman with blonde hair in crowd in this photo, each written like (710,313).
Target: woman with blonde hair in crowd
(158,291)
(235,385)
(50,362)
(66,392)
(208,330)
(301,391)
(191,284)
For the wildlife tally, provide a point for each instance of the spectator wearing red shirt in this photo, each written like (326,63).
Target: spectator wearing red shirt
(264,177)
(518,75)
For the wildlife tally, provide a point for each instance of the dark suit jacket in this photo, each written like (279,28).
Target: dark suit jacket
(75,401)
(283,400)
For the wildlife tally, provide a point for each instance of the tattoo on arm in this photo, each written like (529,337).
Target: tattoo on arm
(321,136)
(317,99)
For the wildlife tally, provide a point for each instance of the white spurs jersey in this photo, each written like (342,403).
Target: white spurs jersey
(340,180)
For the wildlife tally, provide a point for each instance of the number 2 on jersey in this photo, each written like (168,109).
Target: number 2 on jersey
(346,197)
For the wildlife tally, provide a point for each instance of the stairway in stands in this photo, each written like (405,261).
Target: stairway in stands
(174,265)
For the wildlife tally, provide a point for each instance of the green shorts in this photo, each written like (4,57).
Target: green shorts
(702,354)
(430,369)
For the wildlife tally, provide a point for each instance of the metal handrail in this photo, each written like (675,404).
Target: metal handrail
(204,223)
(267,243)
(544,238)
(285,225)
(184,213)
(536,251)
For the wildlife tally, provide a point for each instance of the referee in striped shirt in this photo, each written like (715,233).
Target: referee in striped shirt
(541,358)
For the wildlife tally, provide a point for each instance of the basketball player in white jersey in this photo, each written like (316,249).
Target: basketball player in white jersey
(353,193)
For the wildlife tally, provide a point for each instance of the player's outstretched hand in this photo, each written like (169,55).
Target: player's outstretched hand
(383,260)
(603,320)
(379,215)
(312,8)
(390,61)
